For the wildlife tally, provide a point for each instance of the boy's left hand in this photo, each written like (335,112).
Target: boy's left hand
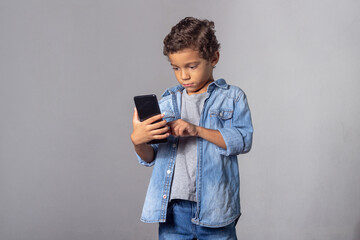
(181,128)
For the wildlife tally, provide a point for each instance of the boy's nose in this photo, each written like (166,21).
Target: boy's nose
(184,75)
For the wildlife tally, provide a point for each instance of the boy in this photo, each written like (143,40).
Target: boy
(194,188)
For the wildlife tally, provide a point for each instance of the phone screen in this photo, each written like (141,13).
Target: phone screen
(147,106)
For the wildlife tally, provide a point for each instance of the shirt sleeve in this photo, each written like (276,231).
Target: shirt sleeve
(238,137)
(144,163)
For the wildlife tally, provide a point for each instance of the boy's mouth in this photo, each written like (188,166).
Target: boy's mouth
(187,85)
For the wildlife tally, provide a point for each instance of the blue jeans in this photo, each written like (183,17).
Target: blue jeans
(178,225)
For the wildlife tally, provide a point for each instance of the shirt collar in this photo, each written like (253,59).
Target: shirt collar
(221,83)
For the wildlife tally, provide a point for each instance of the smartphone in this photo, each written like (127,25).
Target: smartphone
(147,106)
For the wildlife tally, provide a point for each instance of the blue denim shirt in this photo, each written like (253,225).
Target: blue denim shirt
(217,175)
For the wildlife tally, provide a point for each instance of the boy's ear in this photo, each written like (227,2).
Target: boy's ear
(215,58)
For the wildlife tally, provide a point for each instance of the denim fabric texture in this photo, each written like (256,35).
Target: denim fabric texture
(178,225)
(217,175)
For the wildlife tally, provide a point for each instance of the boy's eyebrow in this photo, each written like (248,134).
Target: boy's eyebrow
(195,62)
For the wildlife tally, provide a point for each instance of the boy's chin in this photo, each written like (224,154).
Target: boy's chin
(195,90)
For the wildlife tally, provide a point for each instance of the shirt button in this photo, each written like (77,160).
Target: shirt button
(174,145)
(164,196)
(168,171)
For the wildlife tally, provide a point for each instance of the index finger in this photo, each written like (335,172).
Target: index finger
(154,118)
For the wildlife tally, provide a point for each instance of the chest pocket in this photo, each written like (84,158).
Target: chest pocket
(220,118)
(169,115)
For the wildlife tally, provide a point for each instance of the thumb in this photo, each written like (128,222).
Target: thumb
(135,116)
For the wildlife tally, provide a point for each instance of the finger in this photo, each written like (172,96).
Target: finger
(135,116)
(172,131)
(173,124)
(176,131)
(154,119)
(161,136)
(170,124)
(158,125)
(160,131)
(181,131)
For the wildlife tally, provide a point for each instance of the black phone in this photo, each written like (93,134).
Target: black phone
(147,106)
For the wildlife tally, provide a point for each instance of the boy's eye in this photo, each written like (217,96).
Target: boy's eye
(193,67)
(175,68)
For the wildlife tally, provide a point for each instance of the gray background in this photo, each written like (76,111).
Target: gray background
(69,70)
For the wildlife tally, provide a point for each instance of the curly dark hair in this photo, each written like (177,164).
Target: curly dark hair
(192,33)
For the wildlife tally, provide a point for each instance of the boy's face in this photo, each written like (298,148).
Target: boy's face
(193,72)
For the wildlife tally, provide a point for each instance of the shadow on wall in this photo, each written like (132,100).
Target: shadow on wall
(357,231)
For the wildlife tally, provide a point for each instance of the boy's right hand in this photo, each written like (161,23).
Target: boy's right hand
(144,132)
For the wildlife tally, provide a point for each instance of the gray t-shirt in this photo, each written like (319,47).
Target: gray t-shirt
(184,180)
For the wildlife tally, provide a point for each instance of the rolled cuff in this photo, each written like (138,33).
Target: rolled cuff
(144,163)
(235,142)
